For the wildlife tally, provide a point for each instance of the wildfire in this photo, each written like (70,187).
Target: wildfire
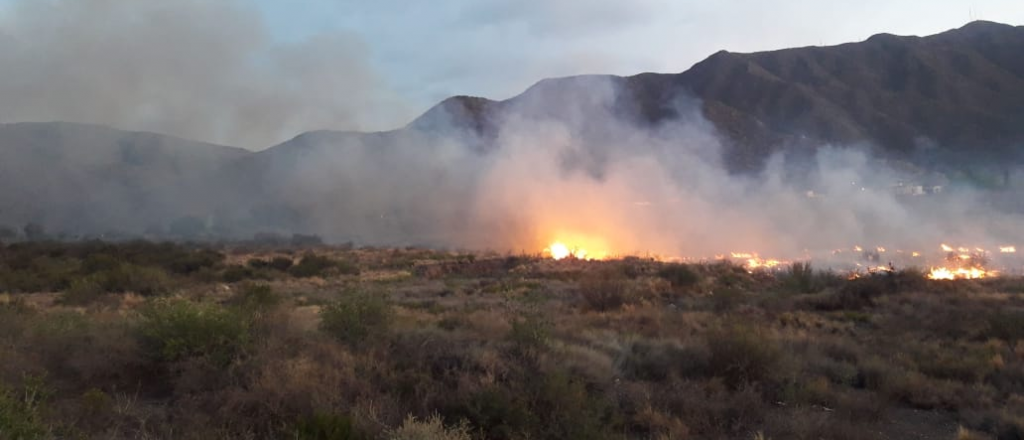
(1008,249)
(577,247)
(943,273)
(560,251)
(754,261)
(946,248)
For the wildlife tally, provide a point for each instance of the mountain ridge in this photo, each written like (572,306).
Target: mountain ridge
(937,101)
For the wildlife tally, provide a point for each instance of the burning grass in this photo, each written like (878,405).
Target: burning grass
(506,347)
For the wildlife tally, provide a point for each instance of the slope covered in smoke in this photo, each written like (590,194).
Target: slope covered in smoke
(939,99)
(647,163)
(86,178)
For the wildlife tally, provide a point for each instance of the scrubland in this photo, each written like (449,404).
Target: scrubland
(163,341)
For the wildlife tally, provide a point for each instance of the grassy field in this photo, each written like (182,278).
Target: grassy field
(162,341)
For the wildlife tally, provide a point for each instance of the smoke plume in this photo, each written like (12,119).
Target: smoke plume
(206,70)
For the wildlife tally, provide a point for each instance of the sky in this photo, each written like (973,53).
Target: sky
(255,73)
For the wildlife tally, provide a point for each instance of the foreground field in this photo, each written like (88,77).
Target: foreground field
(158,341)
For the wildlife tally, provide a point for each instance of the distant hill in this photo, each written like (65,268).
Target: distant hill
(84,178)
(937,102)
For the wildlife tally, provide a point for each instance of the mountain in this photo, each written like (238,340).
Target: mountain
(82,178)
(937,102)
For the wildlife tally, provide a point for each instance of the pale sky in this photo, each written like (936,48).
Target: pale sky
(254,73)
(496,48)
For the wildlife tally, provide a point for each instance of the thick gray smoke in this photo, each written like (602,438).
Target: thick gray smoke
(595,180)
(199,69)
(565,161)
(572,168)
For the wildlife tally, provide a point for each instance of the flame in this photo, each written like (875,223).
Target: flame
(754,261)
(943,273)
(559,251)
(946,248)
(577,246)
(880,249)
(1008,249)
(915,254)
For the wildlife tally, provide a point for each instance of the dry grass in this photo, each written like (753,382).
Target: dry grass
(425,344)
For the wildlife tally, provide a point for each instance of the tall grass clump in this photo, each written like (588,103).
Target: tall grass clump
(356,317)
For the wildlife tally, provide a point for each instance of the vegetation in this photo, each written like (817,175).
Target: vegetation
(145,340)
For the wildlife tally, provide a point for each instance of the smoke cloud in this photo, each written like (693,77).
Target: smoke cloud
(575,170)
(205,70)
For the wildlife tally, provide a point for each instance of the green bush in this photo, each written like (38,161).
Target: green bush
(322,426)
(312,265)
(83,291)
(1008,326)
(175,329)
(529,335)
(740,355)
(281,263)
(21,410)
(235,273)
(277,263)
(499,413)
(567,410)
(679,275)
(802,278)
(256,297)
(654,360)
(142,280)
(431,429)
(357,316)
(604,291)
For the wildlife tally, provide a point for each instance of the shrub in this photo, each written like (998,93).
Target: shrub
(312,265)
(657,360)
(256,297)
(740,355)
(142,280)
(726,299)
(277,263)
(566,410)
(802,278)
(175,329)
(604,291)
(235,273)
(430,429)
(679,275)
(322,426)
(529,335)
(82,291)
(1008,326)
(357,316)
(21,410)
(497,412)
(280,263)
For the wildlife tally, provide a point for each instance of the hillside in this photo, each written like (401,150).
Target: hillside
(83,178)
(940,102)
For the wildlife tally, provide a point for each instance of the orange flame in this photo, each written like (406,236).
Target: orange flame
(943,273)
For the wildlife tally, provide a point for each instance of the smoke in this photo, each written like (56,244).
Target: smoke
(566,161)
(198,69)
(575,170)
